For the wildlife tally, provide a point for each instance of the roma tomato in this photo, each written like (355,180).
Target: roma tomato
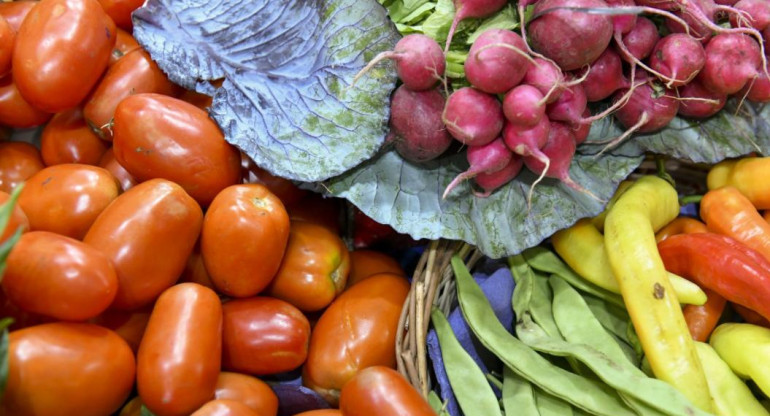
(180,354)
(7,40)
(314,269)
(195,271)
(148,232)
(17,220)
(365,263)
(244,236)
(225,407)
(129,325)
(120,173)
(156,136)
(382,391)
(66,199)
(318,210)
(63,369)
(124,43)
(15,12)
(68,139)
(15,111)
(134,73)
(58,276)
(120,11)
(248,390)
(284,189)
(21,319)
(18,161)
(62,49)
(263,335)
(358,330)
(321,412)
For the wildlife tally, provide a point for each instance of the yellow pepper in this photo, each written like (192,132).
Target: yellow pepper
(746,349)
(749,175)
(629,235)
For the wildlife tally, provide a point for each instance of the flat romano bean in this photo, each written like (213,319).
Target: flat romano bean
(592,396)
(518,395)
(615,321)
(532,294)
(436,404)
(549,405)
(470,386)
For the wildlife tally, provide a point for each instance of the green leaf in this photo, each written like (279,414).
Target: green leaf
(4,339)
(507,18)
(145,412)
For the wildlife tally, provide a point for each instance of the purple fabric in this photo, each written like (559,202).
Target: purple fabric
(498,287)
(295,398)
(690,210)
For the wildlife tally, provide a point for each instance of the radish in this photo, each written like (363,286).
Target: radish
(758,89)
(420,62)
(570,105)
(732,60)
(605,77)
(640,41)
(757,14)
(623,23)
(581,131)
(726,2)
(527,141)
(524,105)
(547,77)
(416,128)
(697,101)
(465,9)
(497,61)
(698,18)
(490,182)
(488,158)
(571,38)
(677,58)
(473,117)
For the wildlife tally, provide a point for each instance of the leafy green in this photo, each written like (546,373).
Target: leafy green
(4,359)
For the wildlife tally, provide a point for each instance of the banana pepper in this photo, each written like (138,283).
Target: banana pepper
(746,349)
(748,175)
(629,235)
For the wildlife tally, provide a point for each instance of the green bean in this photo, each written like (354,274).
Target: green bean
(518,395)
(591,396)
(612,319)
(438,406)
(532,294)
(549,405)
(470,386)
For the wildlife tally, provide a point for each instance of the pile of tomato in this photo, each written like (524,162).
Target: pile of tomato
(158,269)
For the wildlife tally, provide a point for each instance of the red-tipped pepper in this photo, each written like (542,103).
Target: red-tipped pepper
(702,319)
(728,212)
(681,225)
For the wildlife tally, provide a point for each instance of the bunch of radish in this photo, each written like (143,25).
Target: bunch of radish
(527,105)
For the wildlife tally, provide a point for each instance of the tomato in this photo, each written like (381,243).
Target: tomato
(248,390)
(199,100)
(67,369)
(320,412)
(382,391)
(134,73)
(124,43)
(62,49)
(180,354)
(132,408)
(66,199)
(68,139)
(120,173)
(21,318)
(17,220)
(263,335)
(148,232)
(129,325)
(58,276)
(244,236)
(318,210)
(195,271)
(18,161)
(156,136)
(7,41)
(284,189)
(15,111)
(224,407)
(120,11)
(365,263)
(15,12)
(314,269)
(358,330)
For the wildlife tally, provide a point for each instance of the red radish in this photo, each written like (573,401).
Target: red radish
(570,105)
(546,77)
(757,11)
(465,9)
(640,41)
(668,5)
(697,101)
(732,60)
(698,15)
(416,129)
(582,130)
(489,158)
(758,89)
(473,117)
(623,23)
(605,76)
(571,38)
(523,105)
(420,62)
(677,58)
(497,61)
(490,182)
(648,109)
(527,141)
(726,2)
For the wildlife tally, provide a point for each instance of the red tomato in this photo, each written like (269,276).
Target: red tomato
(148,232)
(284,189)
(128,325)
(318,210)
(58,276)
(68,139)
(382,391)
(120,173)
(156,136)
(243,239)
(62,49)
(263,336)
(21,319)
(358,330)
(16,11)
(134,73)
(314,269)
(18,161)
(319,412)
(120,11)
(195,271)
(224,407)
(67,369)
(66,199)
(17,220)
(15,111)
(248,390)
(124,43)
(179,357)
(7,40)
(365,263)
(199,100)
